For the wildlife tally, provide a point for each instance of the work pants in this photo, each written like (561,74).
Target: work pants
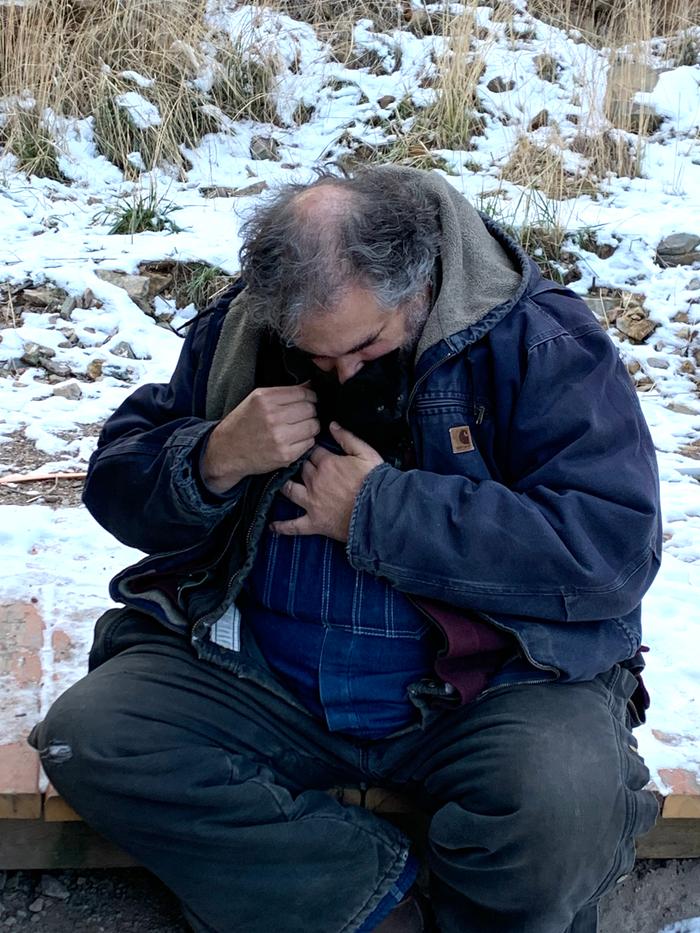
(216,782)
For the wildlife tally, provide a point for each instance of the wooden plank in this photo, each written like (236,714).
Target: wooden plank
(36,844)
(19,782)
(671,838)
(56,810)
(677,807)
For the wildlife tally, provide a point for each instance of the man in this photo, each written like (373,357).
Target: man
(400,506)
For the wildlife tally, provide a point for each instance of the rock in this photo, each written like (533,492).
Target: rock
(37,905)
(44,296)
(157,283)
(68,307)
(679,249)
(547,67)
(123,349)
(94,370)
(539,120)
(35,352)
(604,307)
(687,367)
(634,367)
(136,286)
(658,362)
(264,147)
(682,409)
(87,299)
(217,191)
(119,371)
(643,120)
(51,886)
(694,284)
(386,101)
(500,85)
(70,390)
(634,323)
(56,368)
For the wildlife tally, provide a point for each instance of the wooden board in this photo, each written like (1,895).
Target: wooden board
(56,810)
(36,844)
(19,782)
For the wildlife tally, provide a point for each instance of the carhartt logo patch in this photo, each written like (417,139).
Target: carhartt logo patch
(461,438)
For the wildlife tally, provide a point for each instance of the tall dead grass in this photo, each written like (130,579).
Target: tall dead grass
(77,56)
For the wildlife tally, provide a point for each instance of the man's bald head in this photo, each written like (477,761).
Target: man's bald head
(308,244)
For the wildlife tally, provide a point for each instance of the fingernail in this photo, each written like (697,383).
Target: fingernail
(334,425)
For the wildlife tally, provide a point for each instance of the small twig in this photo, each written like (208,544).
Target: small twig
(38,477)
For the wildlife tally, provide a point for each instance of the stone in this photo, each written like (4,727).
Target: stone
(658,362)
(70,390)
(87,299)
(687,367)
(500,85)
(68,307)
(633,323)
(386,101)
(94,370)
(123,349)
(52,887)
(694,284)
(56,367)
(37,905)
(264,147)
(136,286)
(35,352)
(157,283)
(644,120)
(119,371)
(44,296)
(633,367)
(539,120)
(547,67)
(682,409)
(218,192)
(679,249)
(604,307)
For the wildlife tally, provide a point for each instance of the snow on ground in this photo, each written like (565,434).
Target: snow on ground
(691,925)
(59,233)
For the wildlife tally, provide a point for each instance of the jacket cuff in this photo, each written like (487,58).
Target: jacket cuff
(357,548)
(188,446)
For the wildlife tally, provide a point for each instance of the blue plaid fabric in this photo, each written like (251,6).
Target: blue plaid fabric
(345,642)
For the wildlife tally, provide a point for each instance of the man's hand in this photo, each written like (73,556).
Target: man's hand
(270,429)
(330,486)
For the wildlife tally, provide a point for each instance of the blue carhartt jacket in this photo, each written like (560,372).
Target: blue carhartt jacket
(534,504)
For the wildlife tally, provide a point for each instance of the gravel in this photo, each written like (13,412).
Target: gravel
(130,900)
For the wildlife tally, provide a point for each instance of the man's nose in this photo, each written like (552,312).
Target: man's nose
(347,366)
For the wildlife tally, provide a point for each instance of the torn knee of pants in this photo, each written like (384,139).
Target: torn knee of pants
(56,751)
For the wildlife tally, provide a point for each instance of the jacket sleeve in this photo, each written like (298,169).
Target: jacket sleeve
(574,535)
(144,483)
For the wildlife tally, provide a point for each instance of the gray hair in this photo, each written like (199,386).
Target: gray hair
(380,231)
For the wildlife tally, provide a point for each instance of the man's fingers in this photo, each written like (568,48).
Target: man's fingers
(297,412)
(295,526)
(352,444)
(307,472)
(319,454)
(296,493)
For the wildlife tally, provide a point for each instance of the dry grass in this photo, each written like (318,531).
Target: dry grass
(542,169)
(72,55)
(619,22)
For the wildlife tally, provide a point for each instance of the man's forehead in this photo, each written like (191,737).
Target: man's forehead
(334,347)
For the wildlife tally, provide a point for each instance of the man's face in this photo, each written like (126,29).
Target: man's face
(356,331)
